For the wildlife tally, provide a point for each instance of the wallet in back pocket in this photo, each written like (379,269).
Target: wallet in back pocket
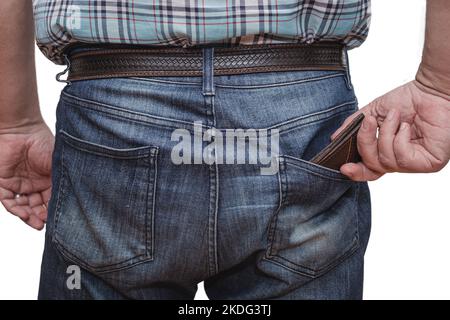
(343,149)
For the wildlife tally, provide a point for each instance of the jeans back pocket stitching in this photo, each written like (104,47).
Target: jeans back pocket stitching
(321,171)
(131,262)
(312,273)
(272,251)
(152,156)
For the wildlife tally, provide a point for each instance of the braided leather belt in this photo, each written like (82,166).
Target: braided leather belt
(116,61)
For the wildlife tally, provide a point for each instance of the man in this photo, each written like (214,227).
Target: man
(139,222)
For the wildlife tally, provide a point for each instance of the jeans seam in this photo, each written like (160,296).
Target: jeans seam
(159,81)
(136,119)
(60,194)
(358,193)
(154,163)
(114,110)
(312,117)
(144,152)
(208,92)
(216,205)
(282,84)
(216,212)
(212,220)
(282,187)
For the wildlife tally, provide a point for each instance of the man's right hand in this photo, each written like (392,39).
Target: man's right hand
(25,172)
(413,136)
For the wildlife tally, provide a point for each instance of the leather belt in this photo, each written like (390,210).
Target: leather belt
(117,61)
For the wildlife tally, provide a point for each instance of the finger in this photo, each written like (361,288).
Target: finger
(40,211)
(359,172)
(368,144)
(46,195)
(20,206)
(6,194)
(38,206)
(21,199)
(402,146)
(35,199)
(6,198)
(26,214)
(386,136)
(35,222)
(23,212)
(406,152)
(26,205)
(43,215)
(9,203)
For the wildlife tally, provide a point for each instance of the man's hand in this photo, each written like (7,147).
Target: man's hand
(25,172)
(413,135)
(413,121)
(26,143)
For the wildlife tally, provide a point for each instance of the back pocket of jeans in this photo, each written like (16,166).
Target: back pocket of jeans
(105,205)
(316,226)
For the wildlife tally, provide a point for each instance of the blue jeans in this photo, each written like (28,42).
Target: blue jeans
(139,225)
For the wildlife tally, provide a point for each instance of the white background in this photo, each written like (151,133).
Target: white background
(408,255)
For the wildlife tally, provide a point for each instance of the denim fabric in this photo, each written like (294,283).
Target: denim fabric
(140,226)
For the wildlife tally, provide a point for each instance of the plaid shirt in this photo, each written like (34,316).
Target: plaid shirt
(192,22)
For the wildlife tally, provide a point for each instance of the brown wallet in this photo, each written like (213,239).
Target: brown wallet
(343,149)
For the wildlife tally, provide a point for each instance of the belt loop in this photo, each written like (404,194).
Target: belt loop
(59,75)
(208,72)
(348,78)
